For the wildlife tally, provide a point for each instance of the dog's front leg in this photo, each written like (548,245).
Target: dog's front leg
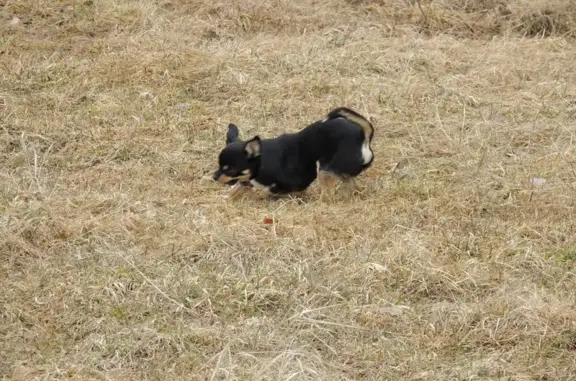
(328,183)
(238,190)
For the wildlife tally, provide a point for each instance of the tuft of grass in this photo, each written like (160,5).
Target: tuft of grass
(121,260)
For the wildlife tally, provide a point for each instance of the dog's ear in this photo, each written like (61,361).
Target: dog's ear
(253,147)
(233,134)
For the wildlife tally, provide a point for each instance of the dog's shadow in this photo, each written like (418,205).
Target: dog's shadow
(315,193)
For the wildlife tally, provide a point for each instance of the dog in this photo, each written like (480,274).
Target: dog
(338,145)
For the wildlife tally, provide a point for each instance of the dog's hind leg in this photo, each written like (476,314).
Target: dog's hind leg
(328,183)
(347,184)
(327,180)
(352,185)
(346,165)
(331,182)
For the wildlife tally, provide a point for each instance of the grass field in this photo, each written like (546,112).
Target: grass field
(121,260)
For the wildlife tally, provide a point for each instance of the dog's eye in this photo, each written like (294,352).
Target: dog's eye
(225,168)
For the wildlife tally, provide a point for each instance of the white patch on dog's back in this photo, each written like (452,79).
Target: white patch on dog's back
(367,153)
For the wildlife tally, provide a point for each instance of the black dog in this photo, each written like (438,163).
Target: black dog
(339,144)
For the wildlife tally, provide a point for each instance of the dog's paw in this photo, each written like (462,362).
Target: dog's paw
(237,191)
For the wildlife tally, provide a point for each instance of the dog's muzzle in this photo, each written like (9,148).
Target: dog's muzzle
(224,179)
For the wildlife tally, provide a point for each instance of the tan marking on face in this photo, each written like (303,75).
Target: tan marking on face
(226,179)
(244,177)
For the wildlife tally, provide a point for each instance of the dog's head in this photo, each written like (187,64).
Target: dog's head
(239,160)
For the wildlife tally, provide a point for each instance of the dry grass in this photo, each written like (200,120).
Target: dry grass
(119,261)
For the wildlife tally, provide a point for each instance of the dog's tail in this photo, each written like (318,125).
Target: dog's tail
(354,117)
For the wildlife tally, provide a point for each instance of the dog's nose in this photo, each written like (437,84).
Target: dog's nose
(216,175)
